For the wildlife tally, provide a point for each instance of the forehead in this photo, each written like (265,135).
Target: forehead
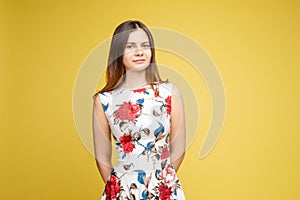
(138,36)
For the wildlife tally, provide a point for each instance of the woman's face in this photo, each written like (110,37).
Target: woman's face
(137,53)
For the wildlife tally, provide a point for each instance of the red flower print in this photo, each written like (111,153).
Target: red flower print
(112,188)
(156,93)
(126,142)
(169,175)
(164,192)
(164,153)
(128,111)
(168,103)
(140,90)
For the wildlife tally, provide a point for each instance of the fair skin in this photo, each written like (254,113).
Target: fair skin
(136,58)
(102,139)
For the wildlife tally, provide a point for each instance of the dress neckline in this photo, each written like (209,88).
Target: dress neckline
(135,88)
(139,87)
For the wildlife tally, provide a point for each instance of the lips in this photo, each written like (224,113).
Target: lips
(139,60)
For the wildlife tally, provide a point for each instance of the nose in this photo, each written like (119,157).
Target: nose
(139,52)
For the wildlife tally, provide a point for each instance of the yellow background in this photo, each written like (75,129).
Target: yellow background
(255,45)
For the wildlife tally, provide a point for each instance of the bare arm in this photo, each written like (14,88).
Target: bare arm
(102,139)
(177,135)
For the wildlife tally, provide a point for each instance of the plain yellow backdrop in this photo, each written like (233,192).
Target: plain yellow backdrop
(254,44)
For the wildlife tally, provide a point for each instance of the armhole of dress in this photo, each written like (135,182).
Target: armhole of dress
(169,87)
(106,103)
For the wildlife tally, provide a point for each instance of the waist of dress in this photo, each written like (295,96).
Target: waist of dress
(141,164)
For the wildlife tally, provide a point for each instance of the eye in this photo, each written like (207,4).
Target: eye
(129,46)
(146,45)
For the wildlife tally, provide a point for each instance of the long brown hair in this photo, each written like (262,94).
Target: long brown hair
(115,71)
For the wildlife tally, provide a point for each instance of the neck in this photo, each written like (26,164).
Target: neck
(135,79)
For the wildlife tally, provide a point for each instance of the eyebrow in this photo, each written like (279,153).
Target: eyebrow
(134,42)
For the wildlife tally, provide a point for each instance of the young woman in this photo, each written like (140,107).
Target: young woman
(145,117)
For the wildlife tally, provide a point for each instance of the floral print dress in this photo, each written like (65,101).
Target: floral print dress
(139,120)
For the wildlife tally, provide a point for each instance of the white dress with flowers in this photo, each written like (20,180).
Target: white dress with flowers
(139,120)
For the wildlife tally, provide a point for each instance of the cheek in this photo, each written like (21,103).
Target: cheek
(148,53)
(126,58)
(127,61)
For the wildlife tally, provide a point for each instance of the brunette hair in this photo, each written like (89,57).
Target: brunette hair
(115,71)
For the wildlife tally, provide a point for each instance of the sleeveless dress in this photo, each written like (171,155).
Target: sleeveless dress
(139,121)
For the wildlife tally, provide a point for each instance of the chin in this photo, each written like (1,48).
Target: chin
(140,67)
